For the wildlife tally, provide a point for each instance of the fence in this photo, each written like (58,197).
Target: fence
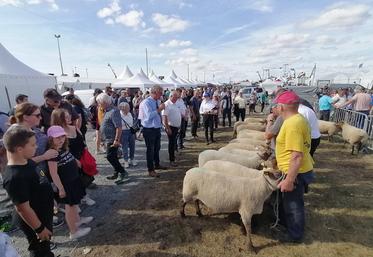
(356,119)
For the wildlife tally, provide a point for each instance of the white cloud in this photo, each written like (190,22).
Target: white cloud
(131,19)
(176,43)
(112,9)
(189,52)
(51,3)
(113,15)
(168,23)
(260,5)
(340,17)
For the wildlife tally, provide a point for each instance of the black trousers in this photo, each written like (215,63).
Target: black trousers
(37,248)
(208,123)
(112,157)
(263,104)
(242,113)
(195,126)
(227,113)
(152,138)
(216,121)
(182,132)
(325,115)
(314,144)
(172,143)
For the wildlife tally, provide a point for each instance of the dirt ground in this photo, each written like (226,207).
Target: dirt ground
(142,220)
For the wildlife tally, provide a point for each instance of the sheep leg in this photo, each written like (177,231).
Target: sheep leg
(198,209)
(246,220)
(353,148)
(182,211)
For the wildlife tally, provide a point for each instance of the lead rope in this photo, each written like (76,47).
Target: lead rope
(276,206)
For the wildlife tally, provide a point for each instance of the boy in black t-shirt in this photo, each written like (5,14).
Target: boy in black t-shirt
(30,192)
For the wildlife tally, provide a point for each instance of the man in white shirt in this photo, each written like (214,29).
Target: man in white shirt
(171,117)
(311,117)
(208,110)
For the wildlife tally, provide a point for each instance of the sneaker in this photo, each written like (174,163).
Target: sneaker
(81,232)
(114,176)
(57,222)
(88,201)
(173,164)
(122,178)
(160,167)
(154,174)
(126,164)
(133,162)
(84,220)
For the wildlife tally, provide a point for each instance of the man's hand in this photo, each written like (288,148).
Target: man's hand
(168,131)
(286,185)
(115,144)
(161,107)
(270,117)
(45,235)
(62,193)
(50,154)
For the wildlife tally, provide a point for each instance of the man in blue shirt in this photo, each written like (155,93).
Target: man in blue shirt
(149,114)
(325,105)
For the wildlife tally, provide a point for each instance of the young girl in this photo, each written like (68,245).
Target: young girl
(64,171)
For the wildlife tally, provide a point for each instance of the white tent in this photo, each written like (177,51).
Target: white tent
(18,78)
(271,85)
(142,73)
(173,81)
(137,81)
(160,82)
(126,74)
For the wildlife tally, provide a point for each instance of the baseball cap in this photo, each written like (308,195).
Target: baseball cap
(52,94)
(287,97)
(56,131)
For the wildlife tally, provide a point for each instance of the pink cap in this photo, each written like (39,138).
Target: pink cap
(56,131)
(287,97)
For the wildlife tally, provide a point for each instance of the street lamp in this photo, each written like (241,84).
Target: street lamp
(59,52)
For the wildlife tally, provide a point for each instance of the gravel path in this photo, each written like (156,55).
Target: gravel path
(106,194)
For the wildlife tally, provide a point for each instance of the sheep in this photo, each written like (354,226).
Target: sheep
(328,127)
(353,136)
(231,168)
(249,141)
(238,151)
(250,147)
(245,134)
(252,126)
(226,194)
(253,161)
(257,120)
(248,121)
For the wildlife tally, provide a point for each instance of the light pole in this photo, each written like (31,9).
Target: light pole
(59,52)
(188,71)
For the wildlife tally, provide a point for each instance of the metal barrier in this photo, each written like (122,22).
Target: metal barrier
(356,119)
(370,131)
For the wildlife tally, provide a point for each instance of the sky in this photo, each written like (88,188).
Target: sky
(219,40)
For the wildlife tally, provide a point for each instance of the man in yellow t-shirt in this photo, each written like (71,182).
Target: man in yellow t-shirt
(293,158)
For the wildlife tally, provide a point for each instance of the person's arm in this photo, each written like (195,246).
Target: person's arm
(149,113)
(29,216)
(52,165)
(49,154)
(287,185)
(165,124)
(348,102)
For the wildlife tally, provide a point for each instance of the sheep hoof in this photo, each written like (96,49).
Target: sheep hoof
(182,214)
(252,249)
(200,215)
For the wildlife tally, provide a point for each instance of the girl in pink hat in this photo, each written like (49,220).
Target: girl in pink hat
(64,171)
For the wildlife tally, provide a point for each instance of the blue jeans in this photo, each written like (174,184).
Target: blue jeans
(128,142)
(292,203)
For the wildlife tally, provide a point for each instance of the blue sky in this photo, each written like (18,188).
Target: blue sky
(230,39)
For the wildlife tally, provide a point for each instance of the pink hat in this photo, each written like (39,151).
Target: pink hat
(287,97)
(56,131)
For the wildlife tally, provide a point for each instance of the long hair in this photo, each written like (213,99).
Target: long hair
(21,110)
(58,118)
(64,147)
(76,101)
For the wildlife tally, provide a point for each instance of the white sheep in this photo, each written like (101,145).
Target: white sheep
(231,168)
(238,151)
(226,194)
(245,134)
(249,121)
(253,161)
(252,126)
(244,146)
(353,136)
(249,141)
(328,127)
(254,119)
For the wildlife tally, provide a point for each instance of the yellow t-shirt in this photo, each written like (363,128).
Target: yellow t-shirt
(294,135)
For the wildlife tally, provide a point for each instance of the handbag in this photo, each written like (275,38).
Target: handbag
(86,179)
(135,127)
(88,162)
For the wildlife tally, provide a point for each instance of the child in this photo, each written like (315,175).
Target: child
(32,195)
(64,171)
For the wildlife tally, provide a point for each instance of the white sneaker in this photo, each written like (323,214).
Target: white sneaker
(133,162)
(84,220)
(126,164)
(80,233)
(88,201)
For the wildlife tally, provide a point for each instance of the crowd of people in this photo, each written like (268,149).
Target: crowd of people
(50,141)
